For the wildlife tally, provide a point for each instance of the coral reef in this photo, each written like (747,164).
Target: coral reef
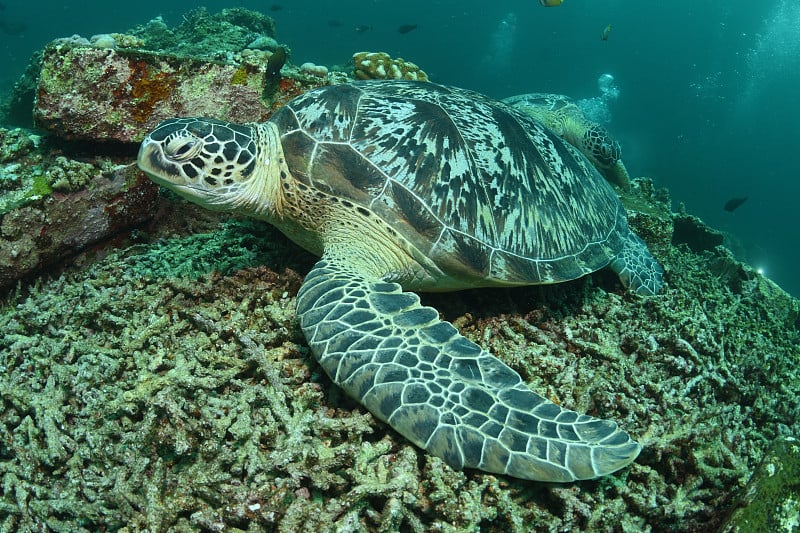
(167,386)
(114,40)
(311,69)
(15,144)
(380,66)
(209,36)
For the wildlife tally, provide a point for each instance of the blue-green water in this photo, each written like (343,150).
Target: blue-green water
(708,100)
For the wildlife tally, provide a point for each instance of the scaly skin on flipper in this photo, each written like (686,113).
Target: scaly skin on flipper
(442,391)
(636,267)
(420,186)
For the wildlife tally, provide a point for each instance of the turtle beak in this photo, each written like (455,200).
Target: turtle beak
(150,157)
(153,162)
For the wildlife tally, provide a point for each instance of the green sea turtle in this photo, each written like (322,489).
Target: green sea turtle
(566,119)
(403,185)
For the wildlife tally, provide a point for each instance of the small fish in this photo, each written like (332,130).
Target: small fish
(333,23)
(551,3)
(276,62)
(272,74)
(606,31)
(362,28)
(275,7)
(405,28)
(733,203)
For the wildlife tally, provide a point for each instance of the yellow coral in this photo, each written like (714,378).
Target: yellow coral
(124,40)
(239,77)
(380,66)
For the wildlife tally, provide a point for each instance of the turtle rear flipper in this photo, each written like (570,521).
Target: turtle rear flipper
(636,268)
(442,391)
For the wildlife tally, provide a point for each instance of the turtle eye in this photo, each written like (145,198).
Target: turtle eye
(181,148)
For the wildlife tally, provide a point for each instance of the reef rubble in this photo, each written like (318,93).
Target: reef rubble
(160,381)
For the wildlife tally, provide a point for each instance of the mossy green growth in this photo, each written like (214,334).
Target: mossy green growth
(772,497)
(239,77)
(33,188)
(40,186)
(32,179)
(238,244)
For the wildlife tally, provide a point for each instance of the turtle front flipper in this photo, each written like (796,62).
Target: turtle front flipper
(442,391)
(617,174)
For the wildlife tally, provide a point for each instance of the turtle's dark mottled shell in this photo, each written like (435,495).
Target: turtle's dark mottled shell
(482,189)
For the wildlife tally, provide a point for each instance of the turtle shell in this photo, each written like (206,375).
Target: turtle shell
(482,189)
(548,101)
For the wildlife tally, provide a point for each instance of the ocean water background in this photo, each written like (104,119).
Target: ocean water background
(709,92)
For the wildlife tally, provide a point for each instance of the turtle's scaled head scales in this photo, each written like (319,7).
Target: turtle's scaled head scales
(602,145)
(219,165)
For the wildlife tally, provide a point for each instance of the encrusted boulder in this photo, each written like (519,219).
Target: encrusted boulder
(695,233)
(57,207)
(107,94)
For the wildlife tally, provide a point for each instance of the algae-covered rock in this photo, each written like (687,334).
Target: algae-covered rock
(117,87)
(58,207)
(771,499)
(110,90)
(103,94)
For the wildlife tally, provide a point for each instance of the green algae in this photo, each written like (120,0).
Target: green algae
(28,174)
(771,500)
(237,244)
(30,185)
(22,180)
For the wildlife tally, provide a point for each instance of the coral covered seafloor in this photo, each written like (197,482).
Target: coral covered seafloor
(160,382)
(165,385)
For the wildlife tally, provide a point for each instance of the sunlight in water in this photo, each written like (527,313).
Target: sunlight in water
(776,53)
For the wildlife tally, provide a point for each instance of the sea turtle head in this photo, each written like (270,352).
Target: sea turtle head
(602,146)
(215,164)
